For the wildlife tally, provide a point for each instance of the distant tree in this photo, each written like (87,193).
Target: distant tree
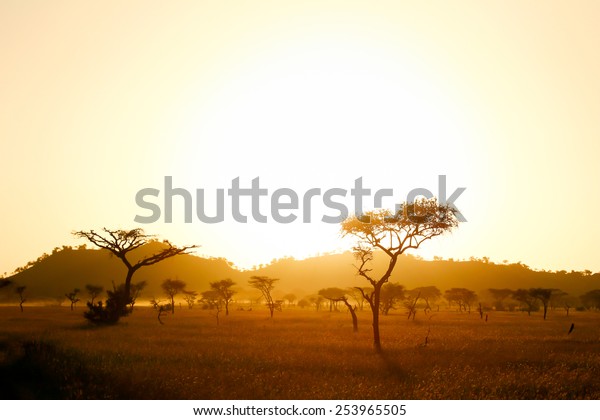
(429,294)
(290,298)
(72,296)
(303,303)
(213,301)
(20,290)
(317,301)
(391,294)
(394,234)
(499,296)
(411,305)
(110,313)
(135,292)
(93,291)
(190,297)
(464,298)
(160,308)
(121,242)
(356,294)
(172,288)
(224,289)
(528,302)
(335,295)
(591,299)
(265,285)
(543,295)
(5,283)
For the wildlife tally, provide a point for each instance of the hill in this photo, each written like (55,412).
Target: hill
(53,275)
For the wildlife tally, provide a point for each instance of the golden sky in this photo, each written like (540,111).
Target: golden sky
(99,100)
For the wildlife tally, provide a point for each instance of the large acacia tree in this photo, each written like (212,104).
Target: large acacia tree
(393,234)
(122,242)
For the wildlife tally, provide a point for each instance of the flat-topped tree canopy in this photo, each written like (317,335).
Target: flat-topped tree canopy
(394,233)
(121,242)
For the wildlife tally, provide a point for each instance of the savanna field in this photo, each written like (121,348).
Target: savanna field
(51,352)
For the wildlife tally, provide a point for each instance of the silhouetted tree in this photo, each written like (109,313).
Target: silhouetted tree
(591,299)
(72,296)
(136,291)
(121,242)
(303,303)
(391,294)
(335,295)
(411,305)
(464,298)
(429,294)
(190,297)
(173,288)
(394,234)
(265,285)
(224,289)
(213,301)
(499,296)
(93,291)
(160,308)
(115,308)
(543,295)
(316,300)
(291,298)
(5,283)
(20,290)
(524,297)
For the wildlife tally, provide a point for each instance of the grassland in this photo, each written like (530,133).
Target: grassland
(50,352)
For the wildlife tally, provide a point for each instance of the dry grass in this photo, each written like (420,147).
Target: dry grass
(300,354)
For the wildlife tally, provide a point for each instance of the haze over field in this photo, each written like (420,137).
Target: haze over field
(101,100)
(67,269)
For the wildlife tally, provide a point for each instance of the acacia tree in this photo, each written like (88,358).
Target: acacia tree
(499,296)
(136,291)
(464,298)
(524,297)
(391,293)
(223,288)
(21,292)
(591,299)
(265,285)
(93,291)
(173,288)
(190,297)
(428,294)
(335,295)
(291,298)
(393,234)
(121,243)
(72,296)
(544,296)
(213,301)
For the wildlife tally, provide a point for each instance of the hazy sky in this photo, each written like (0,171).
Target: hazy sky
(101,99)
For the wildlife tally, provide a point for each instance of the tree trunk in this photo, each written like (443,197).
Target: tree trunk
(545,311)
(173,304)
(375,310)
(128,283)
(71,305)
(21,306)
(226,307)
